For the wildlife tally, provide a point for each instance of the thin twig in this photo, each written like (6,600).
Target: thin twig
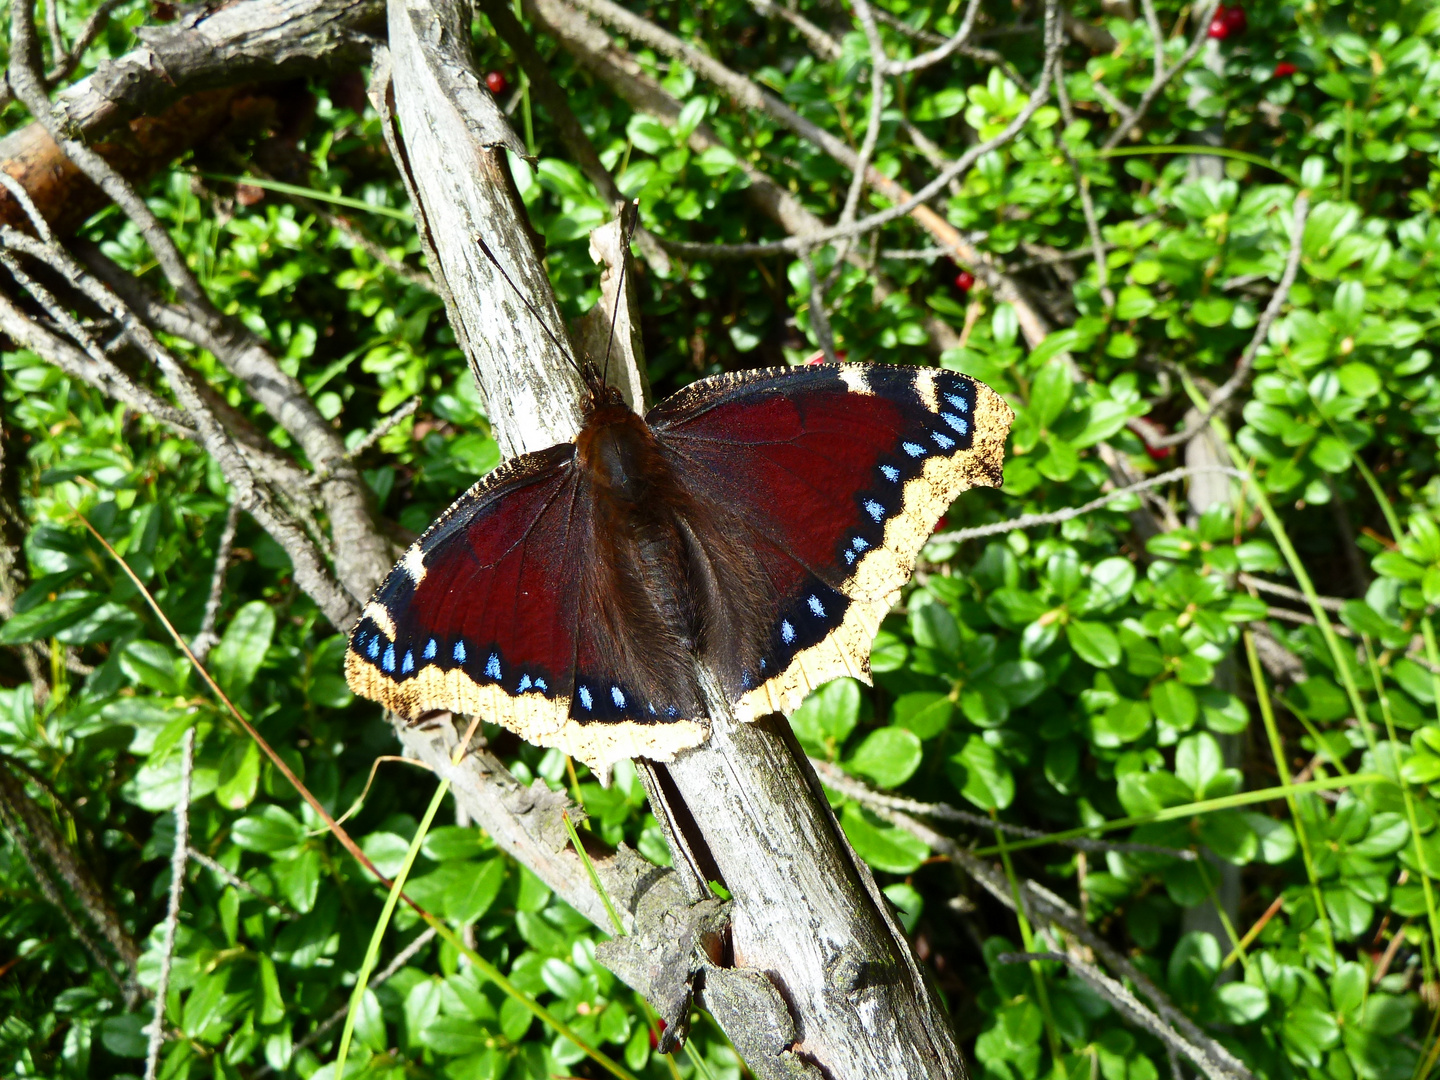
(819,320)
(836,778)
(172,915)
(1228,389)
(1163,75)
(1087,201)
(1329,603)
(403,957)
(9,817)
(236,881)
(1057,517)
(1120,998)
(384,427)
(207,639)
(940,52)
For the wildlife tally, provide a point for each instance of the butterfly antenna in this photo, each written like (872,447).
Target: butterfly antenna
(564,351)
(630,217)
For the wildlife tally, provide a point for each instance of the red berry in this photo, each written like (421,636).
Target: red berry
(942,524)
(496,82)
(964,281)
(1219,25)
(1285,68)
(1235,20)
(1159,453)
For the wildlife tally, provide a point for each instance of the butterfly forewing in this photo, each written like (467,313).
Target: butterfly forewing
(486,614)
(839,475)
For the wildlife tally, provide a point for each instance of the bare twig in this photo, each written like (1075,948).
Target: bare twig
(369,554)
(1087,201)
(1041,904)
(10,818)
(940,52)
(836,778)
(384,427)
(403,957)
(819,319)
(1057,517)
(207,639)
(172,914)
(1329,603)
(1228,389)
(1130,117)
(311,573)
(235,881)
(1121,999)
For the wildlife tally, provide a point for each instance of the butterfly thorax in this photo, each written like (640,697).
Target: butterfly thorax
(619,453)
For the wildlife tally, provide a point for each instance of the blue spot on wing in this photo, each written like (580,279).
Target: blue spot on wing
(586,702)
(459,652)
(407,665)
(913,449)
(540,685)
(492,666)
(942,441)
(373,651)
(429,653)
(524,684)
(389,662)
(958,423)
(959,402)
(849,556)
(874,509)
(617,697)
(787,632)
(891,473)
(816,608)
(859,543)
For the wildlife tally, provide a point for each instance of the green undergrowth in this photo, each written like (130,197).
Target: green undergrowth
(1125,675)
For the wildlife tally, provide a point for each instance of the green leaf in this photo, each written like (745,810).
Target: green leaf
(1241,1003)
(470,893)
(880,844)
(1174,704)
(1050,392)
(1093,642)
(1124,721)
(934,628)
(981,775)
(272,829)
(825,719)
(49,618)
(889,756)
(238,656)
(925,713)
(1307,1032)
(239,775)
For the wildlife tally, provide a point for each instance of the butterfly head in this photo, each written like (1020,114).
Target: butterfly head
(600,396)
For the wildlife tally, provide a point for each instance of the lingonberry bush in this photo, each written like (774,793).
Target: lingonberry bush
(1172,692)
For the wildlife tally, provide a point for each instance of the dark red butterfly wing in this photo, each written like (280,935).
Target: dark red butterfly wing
(839,476)
(490,613)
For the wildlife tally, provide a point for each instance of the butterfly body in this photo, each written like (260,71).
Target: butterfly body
(759,524)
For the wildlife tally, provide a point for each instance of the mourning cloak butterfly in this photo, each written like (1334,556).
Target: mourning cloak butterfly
(763,521)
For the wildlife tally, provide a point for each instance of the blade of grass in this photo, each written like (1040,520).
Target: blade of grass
(1292,560)
(594,877)
(1204,806)
(282,188)
(1208,151)
(1411,813)
(1027,935)
(481,965)
(1277,750)
(372,954)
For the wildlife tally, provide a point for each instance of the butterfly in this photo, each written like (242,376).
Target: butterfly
(761,521)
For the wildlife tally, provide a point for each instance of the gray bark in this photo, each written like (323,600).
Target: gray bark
(823,982)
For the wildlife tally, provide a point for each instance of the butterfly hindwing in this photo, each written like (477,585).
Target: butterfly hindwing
(839,474)
(488,614)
